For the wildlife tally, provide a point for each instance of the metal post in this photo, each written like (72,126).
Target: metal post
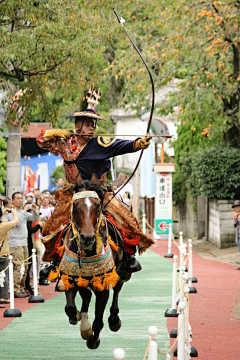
(12,312)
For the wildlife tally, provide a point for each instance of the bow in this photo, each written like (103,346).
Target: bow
(121,22)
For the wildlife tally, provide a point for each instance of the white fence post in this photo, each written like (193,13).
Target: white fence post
(35,298)
(144,223)
(12,312)
(153,348)
(173,311)
(169,253)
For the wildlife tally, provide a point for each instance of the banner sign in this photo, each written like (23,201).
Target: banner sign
(36,171)
(163,202)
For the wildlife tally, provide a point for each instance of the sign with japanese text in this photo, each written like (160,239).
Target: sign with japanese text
(163,202)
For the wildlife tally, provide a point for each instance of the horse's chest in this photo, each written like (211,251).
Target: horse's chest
(94,265)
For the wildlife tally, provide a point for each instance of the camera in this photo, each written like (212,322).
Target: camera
(30,206)
(9,211)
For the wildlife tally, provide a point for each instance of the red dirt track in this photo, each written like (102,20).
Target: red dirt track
(215,330)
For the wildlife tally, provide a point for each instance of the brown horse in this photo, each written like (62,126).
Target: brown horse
(90,264)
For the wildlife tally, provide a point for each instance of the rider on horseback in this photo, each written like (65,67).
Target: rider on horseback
(85,157)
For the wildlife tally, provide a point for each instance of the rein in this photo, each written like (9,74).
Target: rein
(76,235)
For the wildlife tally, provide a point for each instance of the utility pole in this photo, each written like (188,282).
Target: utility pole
(13,160)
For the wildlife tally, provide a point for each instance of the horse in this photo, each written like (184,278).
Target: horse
(92,263)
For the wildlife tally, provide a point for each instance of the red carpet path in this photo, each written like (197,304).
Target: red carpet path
(216,332)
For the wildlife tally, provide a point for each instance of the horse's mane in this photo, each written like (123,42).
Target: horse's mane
(88,185)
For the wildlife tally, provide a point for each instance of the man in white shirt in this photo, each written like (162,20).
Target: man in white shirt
(18,242)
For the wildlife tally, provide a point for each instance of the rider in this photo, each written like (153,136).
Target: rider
(85,156)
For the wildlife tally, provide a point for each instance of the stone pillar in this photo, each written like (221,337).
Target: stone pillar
(13,182)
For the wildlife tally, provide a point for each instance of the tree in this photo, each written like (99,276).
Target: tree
(3,146)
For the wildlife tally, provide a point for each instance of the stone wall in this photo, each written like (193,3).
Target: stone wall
(221,230)
(215,214)
(187,220)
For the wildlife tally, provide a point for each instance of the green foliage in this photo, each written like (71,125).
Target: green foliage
(56,174)
(3,163)
(213,171)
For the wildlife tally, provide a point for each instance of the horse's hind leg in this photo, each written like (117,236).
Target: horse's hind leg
(114,321)
(70,309)
(101,302)
(85,327)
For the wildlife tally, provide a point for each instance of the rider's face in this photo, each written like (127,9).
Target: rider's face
(85,126)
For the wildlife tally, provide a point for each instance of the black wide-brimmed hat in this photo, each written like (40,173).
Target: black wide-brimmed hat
(92,98)
(236,203)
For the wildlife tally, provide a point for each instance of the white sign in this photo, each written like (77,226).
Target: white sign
(163,199)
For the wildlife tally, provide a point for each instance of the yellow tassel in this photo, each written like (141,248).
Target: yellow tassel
(65,280)
(54,274)
(60,250)
(81,282)
(110,279)
(97,282)
(114,247)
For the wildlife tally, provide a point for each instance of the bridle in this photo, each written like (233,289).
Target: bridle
(75,229)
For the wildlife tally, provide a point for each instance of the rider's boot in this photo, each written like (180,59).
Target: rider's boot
(132,264)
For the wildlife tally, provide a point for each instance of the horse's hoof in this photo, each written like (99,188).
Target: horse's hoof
(85,334)
(114,327)
(92,344)
(79,315)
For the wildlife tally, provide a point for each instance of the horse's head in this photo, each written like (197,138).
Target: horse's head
(86,213)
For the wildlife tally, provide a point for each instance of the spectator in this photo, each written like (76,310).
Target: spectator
(60,183)
(236,222)
(4,252)
(29,197)
(18,242)
(36,193)
(45,209)
(7,203)
(33,239)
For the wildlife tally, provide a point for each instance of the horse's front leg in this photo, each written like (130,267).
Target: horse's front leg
(70,308)
(114,321)
(85,327)
(101,302)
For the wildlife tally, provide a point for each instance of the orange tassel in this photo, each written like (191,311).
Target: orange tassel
(60,250)
(97,282)
(110,279)
(81,282)
(54,274)
(114,247)
(65,280)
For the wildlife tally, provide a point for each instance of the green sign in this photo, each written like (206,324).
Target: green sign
(162,226)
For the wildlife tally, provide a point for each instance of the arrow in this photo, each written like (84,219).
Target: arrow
(73,133)
(162,226)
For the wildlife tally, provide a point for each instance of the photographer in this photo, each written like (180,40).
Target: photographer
(18,242)
(5,252)
(34,241)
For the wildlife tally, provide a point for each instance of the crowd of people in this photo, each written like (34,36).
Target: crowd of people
(22,218)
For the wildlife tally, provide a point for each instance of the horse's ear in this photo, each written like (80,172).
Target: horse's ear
(78,179)
(94,178)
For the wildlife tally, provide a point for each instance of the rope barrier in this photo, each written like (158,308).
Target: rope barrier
(169,351)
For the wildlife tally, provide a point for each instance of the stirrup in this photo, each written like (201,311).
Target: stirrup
(133,265)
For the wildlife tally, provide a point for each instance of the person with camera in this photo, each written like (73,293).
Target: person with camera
(18,242)
(5,252)
(34,242)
